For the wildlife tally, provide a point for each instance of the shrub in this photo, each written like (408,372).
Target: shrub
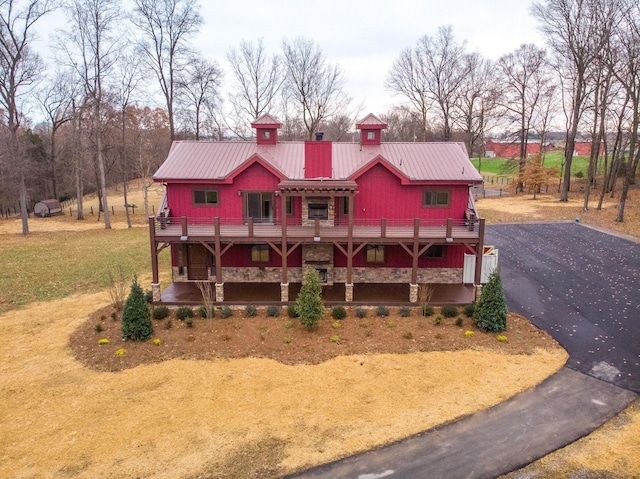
(189,322)
(490,314)
(426,310)
(468,334)
(118,287)
(382,311)
(438,320)
(226,312)
(160,312)
(136,320)
(288,325)
(99,328)
(405,312)
(103,341)
(469,309)
(459,321)
(335,325)
(121,351)
(408,335)
(291,311)
(338,312)
(206,312)
(287,339)
(361,313)
(309,303)
(168,324)
(157,341)
(334,339)
(273,311)
(114,316)
(449,311)
(148,296)
(501,338)
(184,312)
(250,311)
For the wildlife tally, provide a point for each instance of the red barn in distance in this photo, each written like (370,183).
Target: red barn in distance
(255,215)
(495,149)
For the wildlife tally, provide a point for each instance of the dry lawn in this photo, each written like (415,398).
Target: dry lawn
(257,417)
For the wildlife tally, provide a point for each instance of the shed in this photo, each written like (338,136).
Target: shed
(47,208)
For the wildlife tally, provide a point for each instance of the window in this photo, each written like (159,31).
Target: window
(435,199)
(205,197)
(323,274)
(345,205)
(289,205)
(375,253)
(318,211)
(434,251)
(371,135)
(260,253)
(266,134)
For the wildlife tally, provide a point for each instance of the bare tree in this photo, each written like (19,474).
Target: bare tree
(166,26)
(19,69)
(524,80)
(403,124)
(55,101)
(200,87)
(316,87)
(407,77)
(257,82)
(91,46)
(576,31)
(477,102)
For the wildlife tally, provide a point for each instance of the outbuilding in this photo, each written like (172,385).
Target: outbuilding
(47,208)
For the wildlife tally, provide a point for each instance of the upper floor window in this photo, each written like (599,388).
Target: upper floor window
(206,197)
(375,253)
(289,205)
(435,199)
(371,135)
(266,134)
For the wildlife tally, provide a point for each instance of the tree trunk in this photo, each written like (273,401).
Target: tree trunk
(100,159)
(24,213)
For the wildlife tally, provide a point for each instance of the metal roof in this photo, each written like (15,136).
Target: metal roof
(371,121)
(202,160)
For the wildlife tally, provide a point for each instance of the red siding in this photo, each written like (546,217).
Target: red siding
(397,257)
(254,178)
(364,137)
(379,191)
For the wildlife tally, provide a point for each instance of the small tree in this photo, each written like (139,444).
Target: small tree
(490,313)
(534,175)
(309,305)
(136,320)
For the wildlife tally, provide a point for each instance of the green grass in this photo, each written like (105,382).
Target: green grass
(507,167)
(53,265)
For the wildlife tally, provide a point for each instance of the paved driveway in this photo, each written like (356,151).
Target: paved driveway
(580,285)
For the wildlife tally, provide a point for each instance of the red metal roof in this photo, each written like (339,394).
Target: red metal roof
(371,121)
(201,160)
(266,121)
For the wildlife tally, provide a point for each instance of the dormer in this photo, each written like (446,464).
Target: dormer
(266,129)
(371,130)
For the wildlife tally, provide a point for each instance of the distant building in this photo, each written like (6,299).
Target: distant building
(495,149)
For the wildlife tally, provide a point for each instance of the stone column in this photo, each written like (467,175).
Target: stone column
(155,290)
(219,292)
(477,291)
(284,292)
(348,292)
(413,293)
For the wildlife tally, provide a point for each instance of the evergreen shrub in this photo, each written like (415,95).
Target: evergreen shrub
(136,319)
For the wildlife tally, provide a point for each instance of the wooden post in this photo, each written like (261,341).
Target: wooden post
(383,228)
(316,231)
(416,250)
(350,243)
(284,247)
(449,228)
(154,249)
(250,227)
(183,221)
(218,254)
(479,253)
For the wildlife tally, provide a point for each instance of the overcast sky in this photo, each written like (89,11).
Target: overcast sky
(363,36)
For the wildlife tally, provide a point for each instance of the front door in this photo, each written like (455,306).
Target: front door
(259,207)
(199,261)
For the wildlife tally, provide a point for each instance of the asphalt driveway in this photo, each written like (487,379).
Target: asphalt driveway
(581,286)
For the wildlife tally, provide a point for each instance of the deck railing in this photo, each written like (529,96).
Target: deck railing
(250,226)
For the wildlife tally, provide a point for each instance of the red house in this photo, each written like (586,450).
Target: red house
(509,150)
(243,213)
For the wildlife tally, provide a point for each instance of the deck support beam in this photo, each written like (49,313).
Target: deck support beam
(479,255)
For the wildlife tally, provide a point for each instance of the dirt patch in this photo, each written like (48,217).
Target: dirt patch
(288,342)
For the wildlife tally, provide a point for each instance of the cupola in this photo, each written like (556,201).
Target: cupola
(371,130)
(266,129)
